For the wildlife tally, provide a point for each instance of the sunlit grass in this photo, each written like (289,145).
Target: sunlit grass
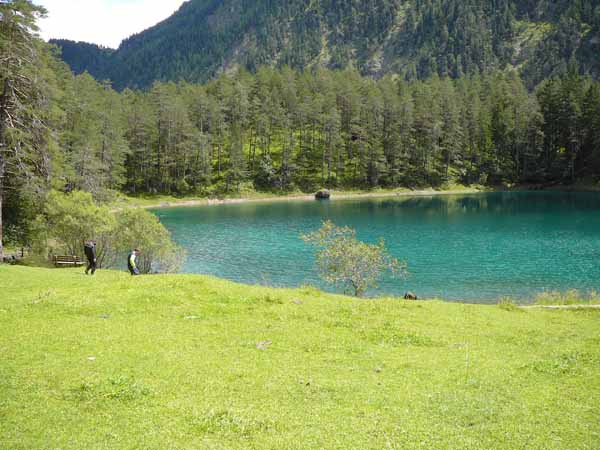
(194,362)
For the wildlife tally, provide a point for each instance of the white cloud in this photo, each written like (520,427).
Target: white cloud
(103,22)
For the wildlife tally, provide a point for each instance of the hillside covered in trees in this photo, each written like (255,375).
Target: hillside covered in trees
(414,39)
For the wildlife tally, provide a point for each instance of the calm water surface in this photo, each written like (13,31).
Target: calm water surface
(471,247)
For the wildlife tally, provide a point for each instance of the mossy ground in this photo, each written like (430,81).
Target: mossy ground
(193,362)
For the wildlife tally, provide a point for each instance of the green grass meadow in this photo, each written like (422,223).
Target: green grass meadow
(194,362)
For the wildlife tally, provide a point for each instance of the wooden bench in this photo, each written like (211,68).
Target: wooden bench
(60,261)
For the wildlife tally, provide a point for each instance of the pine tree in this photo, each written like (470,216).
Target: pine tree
(23,136)
(590,156)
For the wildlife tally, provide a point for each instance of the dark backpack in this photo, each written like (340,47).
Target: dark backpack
(90,251)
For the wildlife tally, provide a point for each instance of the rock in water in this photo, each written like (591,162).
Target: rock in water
(323,194)
(410,296)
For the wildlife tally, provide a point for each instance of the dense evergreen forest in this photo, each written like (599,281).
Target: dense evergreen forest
(277,130)
(415,39)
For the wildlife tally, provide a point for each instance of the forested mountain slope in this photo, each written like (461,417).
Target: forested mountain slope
(82,56)
(414,39)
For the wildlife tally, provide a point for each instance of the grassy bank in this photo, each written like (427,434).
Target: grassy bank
(160,201)
(193,362)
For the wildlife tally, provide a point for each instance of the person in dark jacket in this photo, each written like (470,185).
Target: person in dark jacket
(131,263)
(90,252)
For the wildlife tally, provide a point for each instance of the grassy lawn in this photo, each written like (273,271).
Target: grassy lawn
(193,362)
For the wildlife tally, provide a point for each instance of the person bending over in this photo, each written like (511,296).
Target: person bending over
(131,262)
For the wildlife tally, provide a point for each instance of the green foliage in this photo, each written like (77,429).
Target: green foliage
(350,263)
(340,373)
(94,140)
(74,218)
(138,228)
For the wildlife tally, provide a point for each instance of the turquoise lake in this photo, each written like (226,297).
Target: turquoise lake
(474,248)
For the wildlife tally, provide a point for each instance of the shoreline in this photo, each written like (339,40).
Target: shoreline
(343,195)
(305,197)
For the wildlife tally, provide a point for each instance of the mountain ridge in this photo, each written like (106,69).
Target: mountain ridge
(412,39)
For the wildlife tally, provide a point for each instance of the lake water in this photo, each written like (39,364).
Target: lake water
(476,248)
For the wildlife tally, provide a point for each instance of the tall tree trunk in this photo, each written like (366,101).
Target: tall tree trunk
(1,198)
(3,150)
